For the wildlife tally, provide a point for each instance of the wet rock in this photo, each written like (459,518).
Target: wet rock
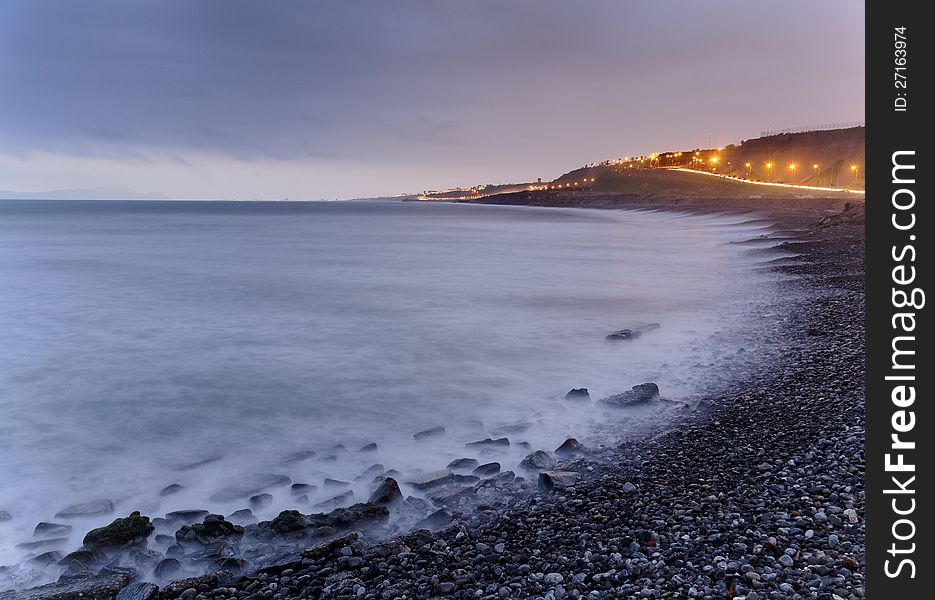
(632,333)
(213,530)
(251,487)
(293,524)
(86,509)
(244,516)
(450,496)
(43,544)
(335,501)
(46,558)
(435,479)
(164,539)
(170,489)
(557,480)
(489,443)
(86,557)
(200,463)
(371,447)
(578,394)
(138,590)
(168,568)
(487,469)
(463,464)
(438,519)
(569,446)
(5,515)
(106,585)
(121,533)
(261,500)
(51,530)
(537,461)
(303,488)
(387,494)
(640,394)
(299,457)
(428,433)
(334,484)
(145,559)
(178,517)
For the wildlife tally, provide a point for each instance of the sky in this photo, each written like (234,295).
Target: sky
(319,100)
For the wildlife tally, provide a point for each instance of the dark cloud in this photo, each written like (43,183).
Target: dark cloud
(391,82)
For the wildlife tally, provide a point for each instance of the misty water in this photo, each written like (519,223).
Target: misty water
(202,343)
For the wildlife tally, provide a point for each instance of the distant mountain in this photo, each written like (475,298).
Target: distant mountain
(99,193)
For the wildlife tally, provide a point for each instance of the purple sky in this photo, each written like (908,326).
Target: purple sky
(235,99)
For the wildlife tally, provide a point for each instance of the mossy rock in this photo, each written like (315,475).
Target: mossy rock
(128,531)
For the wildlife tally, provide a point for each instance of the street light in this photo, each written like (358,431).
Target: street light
(792,168)
(817,168)
(769,169)
(749,168)
(855,170)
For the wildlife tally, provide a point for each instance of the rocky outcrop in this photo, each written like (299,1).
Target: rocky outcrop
(121,533)
(213,530)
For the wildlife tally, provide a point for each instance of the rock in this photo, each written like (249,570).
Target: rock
(335,501)
(250,487)
(557,480)
(640,394)
(427,433)
(488,469)
(439,518)
(261,500)
(106,585)
(569,446)
(177,517)
(144,559)
(213,530)
(86,509)
(632,333)
(537,461)
(292,522)
(435,479)
(121,533)
(46,558)
(86,557)
(5,515)
(170,489)
(44,529)
(303,488)
(489,443)
(169,568)
(387,494)
(463,464)
(299,456)
(243,516)
(331,484)
(450,495)
(43,543)
(628,488)
(138,590)
(578,394)
(371,447)
(200,463)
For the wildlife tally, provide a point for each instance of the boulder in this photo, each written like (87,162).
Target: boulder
(212,531)
(427,433)
(302,488)
(105,585)
(292,523)
(463,463)
(336,501)
(86,509)
(569,446)
(435,479)
(387,494)
(5,515)
(488,469)
(640,394)
(46,558)
(557,480)
(538,461)
(371,447)
(578,394)
(43,544)
(244,516)
(333,484)
(121,533)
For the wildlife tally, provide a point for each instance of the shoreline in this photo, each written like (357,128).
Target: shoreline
(462,559)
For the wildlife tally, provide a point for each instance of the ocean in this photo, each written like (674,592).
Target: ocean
(150,343)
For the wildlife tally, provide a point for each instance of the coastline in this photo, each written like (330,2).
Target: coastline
(711,477)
